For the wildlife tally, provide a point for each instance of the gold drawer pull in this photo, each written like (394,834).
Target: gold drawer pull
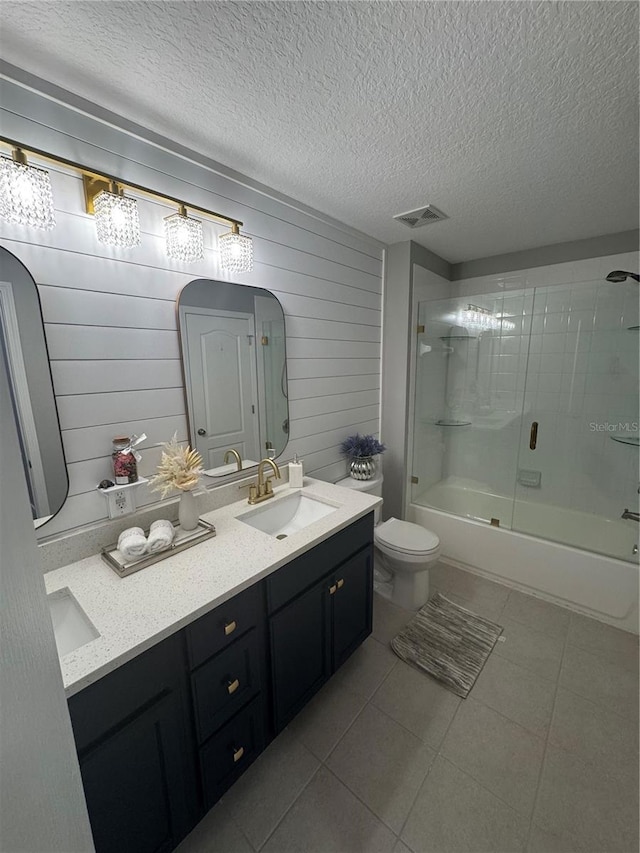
(237,754)
(332,589)
(232,686)
(230,627)
(340,583)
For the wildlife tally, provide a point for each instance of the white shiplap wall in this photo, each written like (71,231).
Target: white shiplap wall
(110,314)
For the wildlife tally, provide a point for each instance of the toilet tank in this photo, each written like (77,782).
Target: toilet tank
(371,487)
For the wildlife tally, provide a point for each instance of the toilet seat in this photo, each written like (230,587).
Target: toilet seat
(404,537)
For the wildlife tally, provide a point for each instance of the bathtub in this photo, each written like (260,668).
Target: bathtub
(598,585)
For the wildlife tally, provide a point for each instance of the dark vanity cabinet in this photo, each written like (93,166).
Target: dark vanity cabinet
(133,735)
(162,737)
(320,608)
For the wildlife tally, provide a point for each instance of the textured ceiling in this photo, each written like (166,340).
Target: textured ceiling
(517,119)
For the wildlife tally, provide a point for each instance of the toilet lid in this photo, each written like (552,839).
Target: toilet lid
(405,536)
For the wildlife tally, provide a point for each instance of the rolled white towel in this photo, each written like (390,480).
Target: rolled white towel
(161,535)
(132,543)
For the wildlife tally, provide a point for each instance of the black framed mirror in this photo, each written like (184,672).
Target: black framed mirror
(25,358)
(232,341)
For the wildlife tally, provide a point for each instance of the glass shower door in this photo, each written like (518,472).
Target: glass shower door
(470,373)
(577,464)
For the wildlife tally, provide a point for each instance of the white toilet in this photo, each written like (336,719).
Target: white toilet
(404,552)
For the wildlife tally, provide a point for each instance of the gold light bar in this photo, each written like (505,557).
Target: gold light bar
(101,181)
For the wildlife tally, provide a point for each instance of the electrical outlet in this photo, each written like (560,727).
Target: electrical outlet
(121,502)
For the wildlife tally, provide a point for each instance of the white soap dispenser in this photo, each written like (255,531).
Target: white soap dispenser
(296,473)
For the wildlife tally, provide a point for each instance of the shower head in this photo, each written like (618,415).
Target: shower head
(621,275)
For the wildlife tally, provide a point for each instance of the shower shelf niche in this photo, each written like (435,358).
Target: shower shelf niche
(452,423)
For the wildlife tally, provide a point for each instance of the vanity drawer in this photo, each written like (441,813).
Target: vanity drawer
(304,571)
(218,629)
(225,683)
(227,755)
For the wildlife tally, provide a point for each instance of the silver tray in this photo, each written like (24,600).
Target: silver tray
(183,539)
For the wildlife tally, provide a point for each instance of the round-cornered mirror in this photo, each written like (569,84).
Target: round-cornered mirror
(24,357)
(235,374)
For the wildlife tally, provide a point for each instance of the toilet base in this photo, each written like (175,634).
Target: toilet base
(383,589)
(409,590)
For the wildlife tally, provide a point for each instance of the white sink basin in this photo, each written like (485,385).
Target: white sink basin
(283,516)
(71,625)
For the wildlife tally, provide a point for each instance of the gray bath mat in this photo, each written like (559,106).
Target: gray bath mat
(448,642)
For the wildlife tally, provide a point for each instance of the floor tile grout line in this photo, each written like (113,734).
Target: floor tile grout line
(601,705)
(546,743)
(473,605)
(484,787)
(342,781)
(346,785)
(362,802)
(507,718)
(430,746)
(558,607)
(240,829)
(344,734)
(601,708)
(291,805)
(401,724)
(601,654)
(528,669)
(438,753)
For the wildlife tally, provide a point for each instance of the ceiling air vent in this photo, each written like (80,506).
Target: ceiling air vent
(423,216)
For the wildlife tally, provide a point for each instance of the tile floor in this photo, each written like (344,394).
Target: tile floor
(542,756)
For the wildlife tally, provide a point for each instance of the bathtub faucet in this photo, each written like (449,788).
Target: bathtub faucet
(634,516)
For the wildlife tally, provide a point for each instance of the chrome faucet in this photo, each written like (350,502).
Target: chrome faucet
(262,490)
(633,516)
(233,452)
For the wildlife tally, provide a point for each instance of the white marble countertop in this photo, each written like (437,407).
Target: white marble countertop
(133,613)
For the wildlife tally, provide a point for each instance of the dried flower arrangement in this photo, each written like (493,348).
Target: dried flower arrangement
(179,468)
(361,446)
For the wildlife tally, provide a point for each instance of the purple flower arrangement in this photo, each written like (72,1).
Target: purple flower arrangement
(361,446)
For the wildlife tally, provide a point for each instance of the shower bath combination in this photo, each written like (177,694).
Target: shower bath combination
(568,365)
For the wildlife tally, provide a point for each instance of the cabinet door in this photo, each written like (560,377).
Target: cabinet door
(300,642)
(352,605)
(134,782)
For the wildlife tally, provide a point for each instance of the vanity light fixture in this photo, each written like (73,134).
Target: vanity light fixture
(117,221)
(25,192)
(183,236)
(236,250)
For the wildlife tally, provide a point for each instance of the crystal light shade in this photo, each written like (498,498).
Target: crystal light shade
(117,222)
(183,236)
(236,251)
(25,194)
(483,320)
